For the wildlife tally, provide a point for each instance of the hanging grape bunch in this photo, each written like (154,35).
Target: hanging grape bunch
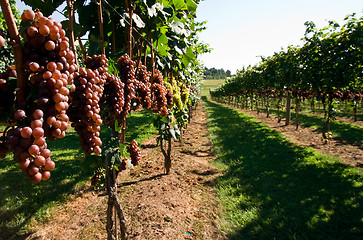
(158,92)
(169,97)
(84,109)
(28,144)
(135,153)
(143,87)
(48,66)
(127,76)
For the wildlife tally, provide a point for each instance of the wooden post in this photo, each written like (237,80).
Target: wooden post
(71,31)
(100,22)
(128,6)
(288,107)
(297,109)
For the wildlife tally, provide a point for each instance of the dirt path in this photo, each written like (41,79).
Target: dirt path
(349,154)
(181,205)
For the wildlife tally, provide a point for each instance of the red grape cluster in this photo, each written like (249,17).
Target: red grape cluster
(84,108)
(127,76)
(158,92)
(143,87)
(169,97)
(135,152)
(97,62)
(113,98)
(50,65)
(27,142)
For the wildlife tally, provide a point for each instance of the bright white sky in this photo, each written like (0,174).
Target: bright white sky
(240,31)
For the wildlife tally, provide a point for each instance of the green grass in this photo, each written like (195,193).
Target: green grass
(140,126)
(20,200)
(343,131)
(212,83)
(272,189)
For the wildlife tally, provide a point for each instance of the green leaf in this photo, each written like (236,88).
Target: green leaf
(163,39)
(117,127)
(188,56)
(180,5)
(192,6)
(46,7)
(164,119)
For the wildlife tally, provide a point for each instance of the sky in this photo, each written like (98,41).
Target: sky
(241,31)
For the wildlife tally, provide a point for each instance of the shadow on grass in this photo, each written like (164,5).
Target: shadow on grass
(345,132)
(20,200)
(272,189)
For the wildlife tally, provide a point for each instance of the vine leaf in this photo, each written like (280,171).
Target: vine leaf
(180,5)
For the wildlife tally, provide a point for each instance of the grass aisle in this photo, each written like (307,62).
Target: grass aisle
(273,189)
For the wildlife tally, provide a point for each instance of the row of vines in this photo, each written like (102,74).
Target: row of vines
(327,69)
(138,55)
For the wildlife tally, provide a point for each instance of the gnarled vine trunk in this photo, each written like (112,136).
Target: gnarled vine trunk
(115,214)
(166,150)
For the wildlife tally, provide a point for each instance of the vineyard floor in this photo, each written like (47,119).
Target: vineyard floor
(181,205)
(350,154)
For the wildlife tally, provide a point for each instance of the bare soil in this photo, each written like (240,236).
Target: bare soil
(181,205)
(350,154)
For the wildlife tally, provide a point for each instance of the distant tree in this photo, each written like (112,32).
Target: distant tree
(213,73)
(228,73)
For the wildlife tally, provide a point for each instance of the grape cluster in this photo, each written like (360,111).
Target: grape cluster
(169,97)
(184,94)
(143,87)
(49,64)
(158,93)
(176,94)
(135,152)
(113,98)
(84,108)
(97,62)
(27,142)
(127,76)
